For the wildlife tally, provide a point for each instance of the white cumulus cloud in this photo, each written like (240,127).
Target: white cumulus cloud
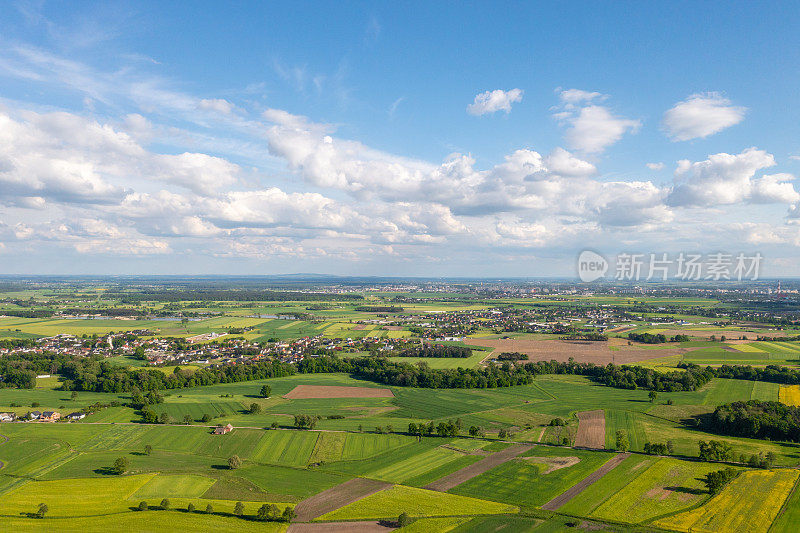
(591,128)
(700,116)
(492,101)
(730,178)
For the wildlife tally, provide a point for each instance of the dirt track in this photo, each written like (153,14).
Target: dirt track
(597,352)
(336,497)
(331,391)
(591,429)
(475,469)
(339,527)
(560,500)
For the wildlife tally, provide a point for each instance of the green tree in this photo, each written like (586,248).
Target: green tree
(143,506)
(42,510)
(206,418)
(187,419)
(622,440)
(714,450)
(149,416)
(254,409)
(74,395)
(209,509)
(715,481)
(138,353)
(266,391)
(165,504)
(403,520)
(120,466)
(190,508)
(770,459)
(238,509)
(148,449)
(164,418)
(234,462)
(288,514)
(263,512)
(653,395)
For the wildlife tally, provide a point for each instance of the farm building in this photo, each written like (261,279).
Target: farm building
(222,430)
(50,416)
(76,416)
(7,417)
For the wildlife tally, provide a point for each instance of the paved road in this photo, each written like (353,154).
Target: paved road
(560,500)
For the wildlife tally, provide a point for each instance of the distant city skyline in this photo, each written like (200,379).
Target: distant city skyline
(359,139)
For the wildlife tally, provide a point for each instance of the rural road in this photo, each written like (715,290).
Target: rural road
(560,500)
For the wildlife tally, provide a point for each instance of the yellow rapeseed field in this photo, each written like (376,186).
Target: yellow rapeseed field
(748,505)
(789,394)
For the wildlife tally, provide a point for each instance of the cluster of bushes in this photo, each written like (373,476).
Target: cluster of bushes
(658,338)
(658,448)
(437,351)
(715,481)
(755,419)
(451,428)
(512,356)
(305,421)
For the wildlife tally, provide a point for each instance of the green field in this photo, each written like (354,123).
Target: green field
(523,482)
(416,502)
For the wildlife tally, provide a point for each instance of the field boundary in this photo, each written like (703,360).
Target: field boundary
(563,498)
(336,497)
(458,477)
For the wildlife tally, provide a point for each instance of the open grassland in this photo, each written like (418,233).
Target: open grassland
(749,504)
(416,502)
(664,486)
(523,482)
(790,394)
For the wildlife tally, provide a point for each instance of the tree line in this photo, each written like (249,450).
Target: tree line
(755,419)
(436,351)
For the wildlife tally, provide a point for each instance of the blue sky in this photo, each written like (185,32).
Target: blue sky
(478,139)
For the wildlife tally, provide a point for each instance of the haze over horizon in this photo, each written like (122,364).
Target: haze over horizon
(495,141)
